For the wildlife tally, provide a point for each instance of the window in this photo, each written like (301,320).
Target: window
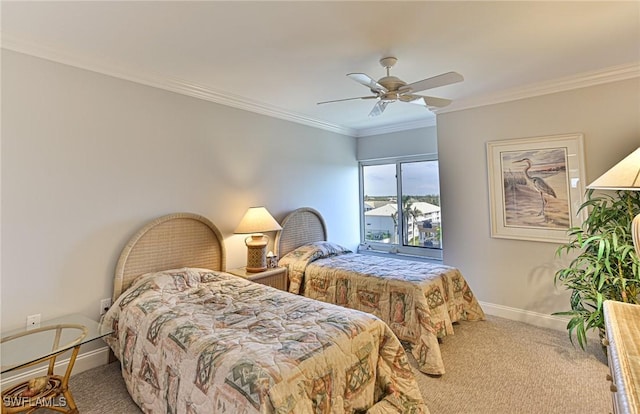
(400,203)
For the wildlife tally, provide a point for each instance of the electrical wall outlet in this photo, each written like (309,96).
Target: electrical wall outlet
(33,321)
(105,304)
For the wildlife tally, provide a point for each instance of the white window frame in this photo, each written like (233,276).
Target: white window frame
(400,249)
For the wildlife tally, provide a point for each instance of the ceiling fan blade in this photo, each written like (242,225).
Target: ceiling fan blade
(433,82)
(347,99)
(367,81)
(429,101)
(432,101)
(378,108)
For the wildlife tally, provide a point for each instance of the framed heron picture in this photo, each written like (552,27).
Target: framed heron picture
(536,187)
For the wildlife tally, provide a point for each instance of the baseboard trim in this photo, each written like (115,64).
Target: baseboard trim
(533,318)
(84,361)
(541,320)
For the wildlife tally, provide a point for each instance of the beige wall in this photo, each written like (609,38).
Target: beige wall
(87,159)
(421,141)
(513,277)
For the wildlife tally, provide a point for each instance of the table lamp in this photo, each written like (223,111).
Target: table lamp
(256,221)
(625,175)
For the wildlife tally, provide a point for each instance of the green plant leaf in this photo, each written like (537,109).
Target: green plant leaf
(606,265)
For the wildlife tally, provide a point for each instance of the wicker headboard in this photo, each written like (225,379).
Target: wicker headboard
(301,226)
(170,242)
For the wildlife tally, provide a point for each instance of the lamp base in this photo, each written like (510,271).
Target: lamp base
(635,233)
(256,253)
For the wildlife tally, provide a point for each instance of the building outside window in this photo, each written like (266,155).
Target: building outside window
(400,202)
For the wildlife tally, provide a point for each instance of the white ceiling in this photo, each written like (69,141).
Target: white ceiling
(280,58)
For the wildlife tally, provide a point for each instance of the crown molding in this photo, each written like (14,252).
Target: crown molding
(403,126)
(612,74)
(164,82)
(581,80)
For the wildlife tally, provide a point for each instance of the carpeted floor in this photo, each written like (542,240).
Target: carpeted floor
(500,366)
(496,366)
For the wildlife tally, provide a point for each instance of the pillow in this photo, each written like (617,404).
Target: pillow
(297,260)
(316,250)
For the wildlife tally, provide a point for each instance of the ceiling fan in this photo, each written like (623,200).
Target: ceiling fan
(390,89)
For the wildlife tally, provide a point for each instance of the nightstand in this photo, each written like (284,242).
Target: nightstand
(276,277)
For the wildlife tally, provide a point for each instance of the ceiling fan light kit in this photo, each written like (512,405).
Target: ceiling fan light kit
(389,89)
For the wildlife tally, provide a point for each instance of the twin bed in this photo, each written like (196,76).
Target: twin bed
(192,338)
(418,301)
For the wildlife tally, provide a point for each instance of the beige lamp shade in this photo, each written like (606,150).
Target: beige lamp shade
(625,176)
(256,221)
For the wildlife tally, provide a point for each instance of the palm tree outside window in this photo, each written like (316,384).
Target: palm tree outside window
(401,206)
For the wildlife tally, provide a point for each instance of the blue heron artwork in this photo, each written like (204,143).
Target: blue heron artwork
(535,188)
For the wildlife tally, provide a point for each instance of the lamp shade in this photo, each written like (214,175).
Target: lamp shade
(625,175)
(257,220)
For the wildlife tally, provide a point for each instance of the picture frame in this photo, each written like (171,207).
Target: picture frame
(536,187)
(272,262)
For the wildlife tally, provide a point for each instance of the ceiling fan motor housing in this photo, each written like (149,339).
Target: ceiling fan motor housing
(391,84)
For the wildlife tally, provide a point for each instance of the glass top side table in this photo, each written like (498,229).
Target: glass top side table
(22,348)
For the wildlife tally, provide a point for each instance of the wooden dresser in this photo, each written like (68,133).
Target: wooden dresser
(622,325)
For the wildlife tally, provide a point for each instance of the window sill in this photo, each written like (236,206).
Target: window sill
(403,256)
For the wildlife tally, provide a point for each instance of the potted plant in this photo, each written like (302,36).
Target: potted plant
(607,267)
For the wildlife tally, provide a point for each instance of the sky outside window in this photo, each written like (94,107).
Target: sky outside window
(418,178)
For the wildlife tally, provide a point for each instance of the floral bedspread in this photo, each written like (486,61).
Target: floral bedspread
(418,301)
(199,341)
